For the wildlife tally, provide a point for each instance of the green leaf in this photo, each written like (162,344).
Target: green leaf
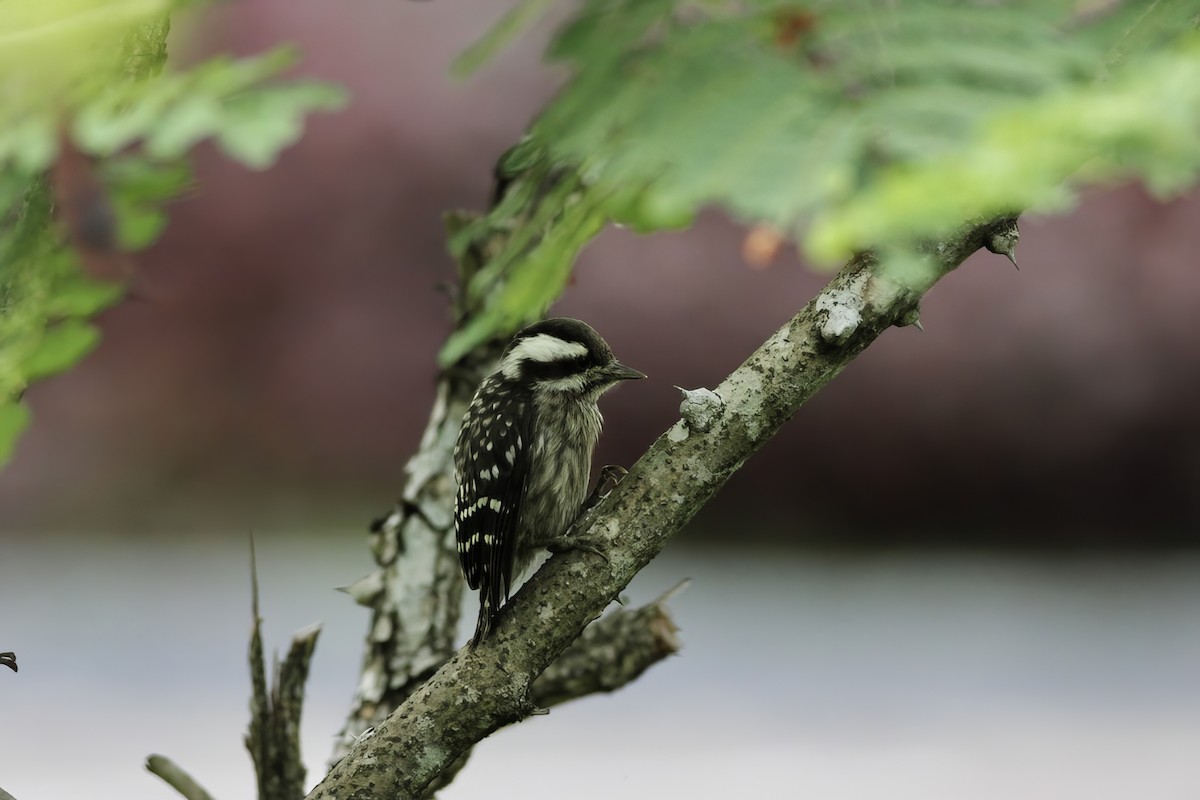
(61,346)
(79,296)
(790,114)
(1141,123)
(220,99)
(29,144)
(715,109)
(144,47)
(872,125)
(57,45)
(637,207)
(44,297)
(532,284)
(94,71)
(499,36)
(14,419)
(259,127)
(137,188)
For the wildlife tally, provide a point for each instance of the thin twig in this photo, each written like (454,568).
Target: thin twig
(173,774)
(273,738)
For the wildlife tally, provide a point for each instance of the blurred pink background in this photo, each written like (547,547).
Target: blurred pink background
(275,364)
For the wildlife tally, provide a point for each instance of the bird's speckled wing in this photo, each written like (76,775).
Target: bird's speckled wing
(491,463)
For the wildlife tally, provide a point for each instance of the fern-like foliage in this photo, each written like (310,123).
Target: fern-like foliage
(865,124)
(511,260)
(94,135)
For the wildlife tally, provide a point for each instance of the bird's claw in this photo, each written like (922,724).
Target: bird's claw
(610,476)
(574,541)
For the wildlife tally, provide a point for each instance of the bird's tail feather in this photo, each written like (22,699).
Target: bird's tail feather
(484,623)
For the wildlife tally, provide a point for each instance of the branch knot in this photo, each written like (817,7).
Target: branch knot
(700,408)
(839,310)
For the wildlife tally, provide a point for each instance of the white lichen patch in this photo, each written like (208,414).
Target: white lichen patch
(700,408)
(612,527)
(432,757)
(699,471)
(743,394)
(518,686)
(678,432)
(842,310)
(382,630)
(677,499)
(367,588)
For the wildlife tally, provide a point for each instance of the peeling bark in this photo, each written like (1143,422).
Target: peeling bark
(416,591)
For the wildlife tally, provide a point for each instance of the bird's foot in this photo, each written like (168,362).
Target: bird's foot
(610,476)
(572,540)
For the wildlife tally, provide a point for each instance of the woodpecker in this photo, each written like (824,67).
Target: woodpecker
(524,454)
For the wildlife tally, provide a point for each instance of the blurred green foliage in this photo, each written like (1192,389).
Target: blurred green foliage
(511,259)
(843,124)
(848,124)
(94,134)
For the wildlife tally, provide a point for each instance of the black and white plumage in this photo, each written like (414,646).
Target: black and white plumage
(523,457)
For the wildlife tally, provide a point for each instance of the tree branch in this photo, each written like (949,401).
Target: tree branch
(482,689)
(613,651)
(274,735)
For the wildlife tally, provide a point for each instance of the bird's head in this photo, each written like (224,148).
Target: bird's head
(564,355)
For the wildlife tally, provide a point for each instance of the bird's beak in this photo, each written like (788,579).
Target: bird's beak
(619,372)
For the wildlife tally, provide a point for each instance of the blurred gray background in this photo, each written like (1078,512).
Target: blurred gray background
(964,569)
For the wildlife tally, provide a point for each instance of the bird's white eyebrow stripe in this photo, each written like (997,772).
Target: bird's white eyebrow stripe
(547,347)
